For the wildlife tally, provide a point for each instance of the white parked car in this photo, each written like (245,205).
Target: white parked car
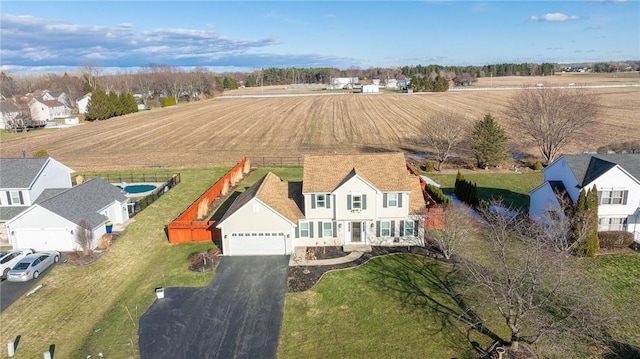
(32,265)
(11,258)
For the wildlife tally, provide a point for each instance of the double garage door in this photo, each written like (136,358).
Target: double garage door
(48,239)
(257,243)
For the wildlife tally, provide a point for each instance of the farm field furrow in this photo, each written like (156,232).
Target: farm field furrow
(221,131)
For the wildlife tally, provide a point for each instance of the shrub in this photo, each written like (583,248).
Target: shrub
(41,153)
(169,101)
(437,194)
(538,166)
(615,239)
(428,167)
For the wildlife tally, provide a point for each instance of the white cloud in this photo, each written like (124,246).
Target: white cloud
(554,17)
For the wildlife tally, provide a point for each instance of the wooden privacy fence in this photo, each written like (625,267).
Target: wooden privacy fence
(434,219)
(192,225)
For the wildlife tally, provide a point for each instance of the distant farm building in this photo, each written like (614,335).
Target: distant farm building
(370,89)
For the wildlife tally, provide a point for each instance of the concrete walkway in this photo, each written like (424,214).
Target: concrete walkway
(298,258)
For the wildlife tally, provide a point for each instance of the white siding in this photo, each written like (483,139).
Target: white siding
(53,175)
(356,186)
(617,179)
(560,171)
(542,199)
(256,217)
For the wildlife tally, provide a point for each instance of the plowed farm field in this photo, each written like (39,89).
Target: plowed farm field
(221,131)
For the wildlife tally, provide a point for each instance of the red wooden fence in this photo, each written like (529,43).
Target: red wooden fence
(187,227)
(434,219)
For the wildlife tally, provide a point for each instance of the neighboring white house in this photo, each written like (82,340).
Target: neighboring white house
(616,177)
(57,96)
(45,110)
(52,222)
(23,180)
(344,200)
(391,84)
(344,82)
(369,89)
(83,102)
(9,111)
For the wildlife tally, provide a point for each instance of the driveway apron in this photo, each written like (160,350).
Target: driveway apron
(238,315)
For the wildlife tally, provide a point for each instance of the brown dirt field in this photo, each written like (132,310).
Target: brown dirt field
(222,131)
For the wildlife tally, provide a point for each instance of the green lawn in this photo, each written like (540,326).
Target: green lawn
(378,310)
(513,188)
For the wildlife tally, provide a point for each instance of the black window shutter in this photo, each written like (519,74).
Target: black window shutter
(8,198)
(384,200)
(401,228)
(21,199)
(335,230)
(364,201)
(377,228)
(393,228)
(328,196)
(415,228)
(298,231)
(310,229)
(348,201)
(624,197)
(313,201)
(320,234)
(400,200)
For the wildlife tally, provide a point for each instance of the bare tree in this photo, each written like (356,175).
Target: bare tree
(90,73)
(458,227)
(553,117)
(442,133)
(84,237)
(534,289)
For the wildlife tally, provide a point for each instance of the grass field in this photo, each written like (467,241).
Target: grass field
(222,131)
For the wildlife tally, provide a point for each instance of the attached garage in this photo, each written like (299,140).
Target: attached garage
(45,239)
(262,220)
(256,243)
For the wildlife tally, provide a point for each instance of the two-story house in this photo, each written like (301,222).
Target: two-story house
(343,200)
(22,181)
(43,110)
(616,177)
(40,209)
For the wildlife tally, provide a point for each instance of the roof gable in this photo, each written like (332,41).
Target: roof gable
(282,196)
(588,167)
(20,172)
(83,201)
(325,173)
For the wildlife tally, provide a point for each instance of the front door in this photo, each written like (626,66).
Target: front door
(356,232)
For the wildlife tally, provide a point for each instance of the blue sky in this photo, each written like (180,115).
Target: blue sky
(50,36)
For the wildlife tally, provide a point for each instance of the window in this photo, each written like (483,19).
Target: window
(356,202)
(385,228)
(612,224)
(392,199)
(16,197)
(613,196)
(327,229)
(408,230)
(304,229)
(320,201)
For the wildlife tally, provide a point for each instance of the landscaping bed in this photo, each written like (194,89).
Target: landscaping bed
(302,278)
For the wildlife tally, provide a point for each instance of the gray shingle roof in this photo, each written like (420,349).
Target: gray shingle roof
(83,201)
(20,172)
(6,213)
(587,167)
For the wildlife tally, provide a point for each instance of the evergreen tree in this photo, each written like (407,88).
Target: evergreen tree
(251,81)
(586,223)
(98,107)
(440,84)
(490,142)
(114,102)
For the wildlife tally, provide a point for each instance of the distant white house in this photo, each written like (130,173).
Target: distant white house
(391,84)
(616,177)
(9,112)
(45,110)
(369,89)
(344,82)
(83,102)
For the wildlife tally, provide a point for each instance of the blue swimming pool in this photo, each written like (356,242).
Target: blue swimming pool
(138,188)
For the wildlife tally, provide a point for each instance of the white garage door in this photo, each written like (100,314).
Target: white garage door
(48,239)
(256,243)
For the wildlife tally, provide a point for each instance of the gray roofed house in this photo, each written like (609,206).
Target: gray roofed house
(84,201)
(20,172)
(616,177)
(50,223)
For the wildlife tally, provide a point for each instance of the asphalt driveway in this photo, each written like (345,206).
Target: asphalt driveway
(238,315)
